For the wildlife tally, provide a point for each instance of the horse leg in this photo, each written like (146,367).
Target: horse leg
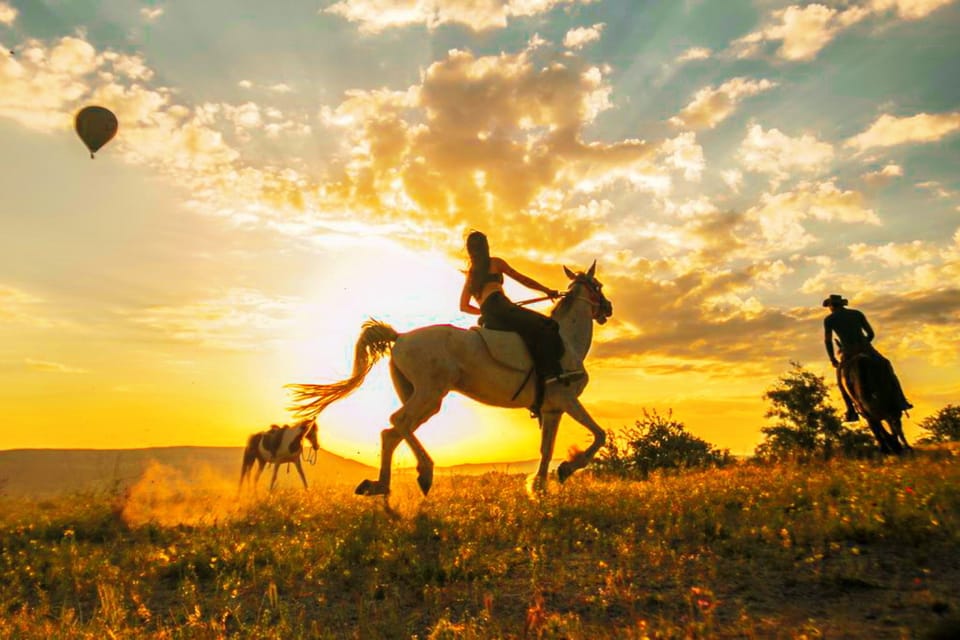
(896,425)
(580,459)
(549,425)
(418,409)
(260,465)
(389,439)
(300,471)
(276,468)
(884,440)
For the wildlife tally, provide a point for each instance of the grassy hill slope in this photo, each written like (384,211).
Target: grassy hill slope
(837,550)
(46,472)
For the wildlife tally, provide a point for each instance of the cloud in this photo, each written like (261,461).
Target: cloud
(909,9)
(376,16)
(237,320)
(705,320)
(888,131)
(685,154)
(778,219)
(17,306)
(711,105)
(244,116)
(8,14)
(132,67)
(733,179)
(936,188)
(491,141)
(695,53)
(40,83)
(893,254)
(281,87)
(22,309)
(45,366)
(150,14)
(778,154)
(884,175)
(581,36)
(803,31)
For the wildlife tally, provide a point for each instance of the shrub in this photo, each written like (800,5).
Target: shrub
(944,426)
(805,423)
(657,442)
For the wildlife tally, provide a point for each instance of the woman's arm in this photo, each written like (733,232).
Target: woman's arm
(465,295)
(501,265)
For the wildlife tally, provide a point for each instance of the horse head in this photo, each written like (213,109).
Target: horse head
(592,289)
(310,432)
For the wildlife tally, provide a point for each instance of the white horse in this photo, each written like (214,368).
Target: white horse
(276,446)
(429,362)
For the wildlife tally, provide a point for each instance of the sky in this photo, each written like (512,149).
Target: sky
(284,171)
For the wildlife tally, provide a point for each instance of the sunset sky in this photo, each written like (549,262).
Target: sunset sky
(283,171)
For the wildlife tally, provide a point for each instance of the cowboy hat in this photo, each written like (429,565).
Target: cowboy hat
(835,300)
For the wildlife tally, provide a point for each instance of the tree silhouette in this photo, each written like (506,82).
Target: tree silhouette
(805,423)
(656,442)
(944,426)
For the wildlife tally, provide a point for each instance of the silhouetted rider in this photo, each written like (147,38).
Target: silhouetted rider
(854,335)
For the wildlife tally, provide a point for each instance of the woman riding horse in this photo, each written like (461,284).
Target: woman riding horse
(540,333)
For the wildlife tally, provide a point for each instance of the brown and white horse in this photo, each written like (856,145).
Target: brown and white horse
(276,446)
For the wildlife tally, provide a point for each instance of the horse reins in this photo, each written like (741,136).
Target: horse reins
(541,298)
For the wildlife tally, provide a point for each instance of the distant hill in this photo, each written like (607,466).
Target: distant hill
(46,472)
(51,471)
(524,467)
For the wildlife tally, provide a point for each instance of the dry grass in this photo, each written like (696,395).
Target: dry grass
(840,549)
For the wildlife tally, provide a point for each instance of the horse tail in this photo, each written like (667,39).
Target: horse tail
(375,341)
(249,456)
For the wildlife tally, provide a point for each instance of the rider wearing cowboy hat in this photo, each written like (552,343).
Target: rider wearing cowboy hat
(854,335)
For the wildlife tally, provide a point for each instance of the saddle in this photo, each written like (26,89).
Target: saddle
(272,439)
(507,348)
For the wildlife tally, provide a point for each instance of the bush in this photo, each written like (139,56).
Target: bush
(656,442)
(805,423)
(944,426)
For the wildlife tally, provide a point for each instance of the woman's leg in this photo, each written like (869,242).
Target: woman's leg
(540,333)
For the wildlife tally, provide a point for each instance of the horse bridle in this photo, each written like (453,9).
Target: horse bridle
(602,308)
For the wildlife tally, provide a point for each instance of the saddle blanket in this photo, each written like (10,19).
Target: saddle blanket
(507,348)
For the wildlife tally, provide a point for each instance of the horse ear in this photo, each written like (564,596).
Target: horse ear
(592,269)
(570,274)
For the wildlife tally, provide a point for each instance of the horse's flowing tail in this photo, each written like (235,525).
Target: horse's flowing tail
(375,341)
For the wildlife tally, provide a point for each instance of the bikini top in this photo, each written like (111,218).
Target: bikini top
(494,277)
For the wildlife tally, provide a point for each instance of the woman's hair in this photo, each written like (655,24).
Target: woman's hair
(479,251)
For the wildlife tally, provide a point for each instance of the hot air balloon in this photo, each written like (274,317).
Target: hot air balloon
(96,126)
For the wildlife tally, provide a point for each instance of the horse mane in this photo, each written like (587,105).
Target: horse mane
(566,301)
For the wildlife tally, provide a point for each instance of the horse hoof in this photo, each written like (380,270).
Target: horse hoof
(564,471)
(369,488)
(425,481)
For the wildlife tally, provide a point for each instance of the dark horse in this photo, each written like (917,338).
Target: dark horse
(870,384)
(276,446)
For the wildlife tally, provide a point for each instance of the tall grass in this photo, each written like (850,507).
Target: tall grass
(839,549)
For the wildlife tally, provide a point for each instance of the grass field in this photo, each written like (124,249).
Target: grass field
(835,550)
